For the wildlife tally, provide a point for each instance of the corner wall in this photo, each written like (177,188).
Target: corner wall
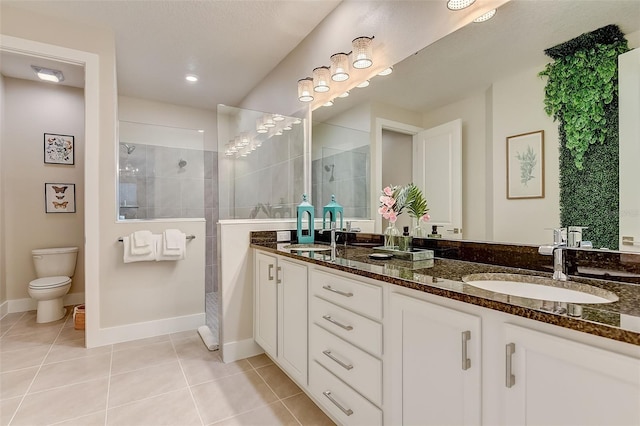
(3,283)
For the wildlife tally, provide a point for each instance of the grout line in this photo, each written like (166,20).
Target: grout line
(13,325)
(106,403)
(271,389)
(186,380)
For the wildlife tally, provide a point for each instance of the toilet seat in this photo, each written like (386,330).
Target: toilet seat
(49,282)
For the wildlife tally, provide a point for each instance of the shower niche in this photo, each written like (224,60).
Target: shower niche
(161,172)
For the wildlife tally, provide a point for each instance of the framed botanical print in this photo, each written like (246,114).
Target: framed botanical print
(525,165)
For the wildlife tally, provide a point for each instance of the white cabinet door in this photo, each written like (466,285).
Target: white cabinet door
(555,381)
(266,303)
(292,318)
(436,364)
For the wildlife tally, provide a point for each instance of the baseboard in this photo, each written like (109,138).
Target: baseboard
(240,349)
(29,304)
(4,309)
(143,330)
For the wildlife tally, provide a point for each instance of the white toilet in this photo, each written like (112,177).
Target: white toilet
(54,269)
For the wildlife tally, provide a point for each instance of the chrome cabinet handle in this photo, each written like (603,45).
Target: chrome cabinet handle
(510,379)
(278,275)
(346,411)
(270,272)
(332,321)
(341,293)
(340,363)
(466,362)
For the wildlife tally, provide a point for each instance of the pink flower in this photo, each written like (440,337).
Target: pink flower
(425,217)
(392,217)
(388,191)
(389,202)
(383,209)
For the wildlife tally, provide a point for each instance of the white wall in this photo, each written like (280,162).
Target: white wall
(32,109)
(396,170)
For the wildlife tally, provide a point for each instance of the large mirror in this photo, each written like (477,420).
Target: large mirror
(486,75)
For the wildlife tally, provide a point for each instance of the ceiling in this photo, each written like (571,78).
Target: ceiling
(230,44)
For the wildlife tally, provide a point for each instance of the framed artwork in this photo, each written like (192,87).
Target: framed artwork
(60,197)
(525,165)
(58,149)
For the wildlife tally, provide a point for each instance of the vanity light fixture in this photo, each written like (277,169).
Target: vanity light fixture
(485,17)
(362,52)
(344,95)
(363,84)
(321,78)
(191,78)
(47,74)
(268,121)
(260,127)
(328,103)
(278,117)
(339,67)
(297,121)
(459,4)
(287,127)
(279,132)
(305,89)
(386,71)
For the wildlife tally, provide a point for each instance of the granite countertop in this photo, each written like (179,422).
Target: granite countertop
(618,320)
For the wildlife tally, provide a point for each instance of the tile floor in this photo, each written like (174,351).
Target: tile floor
(47,377)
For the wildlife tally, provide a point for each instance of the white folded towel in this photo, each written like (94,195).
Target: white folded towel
(130,257)
(167,249)
(141,243)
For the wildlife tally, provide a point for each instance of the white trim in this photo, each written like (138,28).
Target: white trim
(240,349)
(376,161)
(91,62)
(143,330)
(4,309)
(29,304)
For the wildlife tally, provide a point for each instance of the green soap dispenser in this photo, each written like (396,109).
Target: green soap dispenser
(305,218)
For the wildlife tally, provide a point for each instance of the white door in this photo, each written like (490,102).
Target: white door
(559,382)
(435,363)
(266,303)
(629,83)
(437,170)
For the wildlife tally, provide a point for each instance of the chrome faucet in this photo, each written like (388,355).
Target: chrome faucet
(557,250)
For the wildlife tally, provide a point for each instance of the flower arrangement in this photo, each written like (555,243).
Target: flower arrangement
(395,199)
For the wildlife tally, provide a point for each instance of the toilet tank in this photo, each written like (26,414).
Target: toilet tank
(53,262)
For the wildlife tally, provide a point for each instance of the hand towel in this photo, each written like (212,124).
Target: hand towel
(165,253)
(141,243)
(173,239)
(130,257)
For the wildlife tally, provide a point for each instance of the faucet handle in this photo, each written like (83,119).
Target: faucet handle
(559,235)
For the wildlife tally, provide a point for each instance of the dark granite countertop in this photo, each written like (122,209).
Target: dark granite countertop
(618,320)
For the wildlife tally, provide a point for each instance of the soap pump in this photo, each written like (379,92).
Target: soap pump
(405,240)
(434,232)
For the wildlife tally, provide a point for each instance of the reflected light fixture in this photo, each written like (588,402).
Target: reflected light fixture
(344,95)
(47,74)
(485,17)
(260,128)
(363,84)
(191,78)
(386,71)
(278,117)
(339,67)
(328,103)
(459,4)
(362,52)
(305,89)
(268,121)
(321,76)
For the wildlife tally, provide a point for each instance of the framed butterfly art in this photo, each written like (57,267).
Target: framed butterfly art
(60,197)
(58,149)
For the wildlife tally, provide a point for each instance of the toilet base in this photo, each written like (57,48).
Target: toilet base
(50,310)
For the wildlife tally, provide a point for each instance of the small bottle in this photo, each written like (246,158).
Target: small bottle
(405,240)
(434,232)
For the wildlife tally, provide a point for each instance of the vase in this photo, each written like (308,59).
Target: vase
(390,236)
(417,231)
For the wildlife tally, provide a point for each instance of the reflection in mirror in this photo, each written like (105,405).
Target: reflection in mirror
(260,164)
(160,172)
(486,75)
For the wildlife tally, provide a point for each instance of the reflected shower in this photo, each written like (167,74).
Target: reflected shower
(329,167)
(129,148)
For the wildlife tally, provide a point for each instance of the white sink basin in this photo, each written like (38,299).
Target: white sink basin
(307,247)
(540,288)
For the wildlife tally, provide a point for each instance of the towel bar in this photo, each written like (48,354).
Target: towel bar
(188,237)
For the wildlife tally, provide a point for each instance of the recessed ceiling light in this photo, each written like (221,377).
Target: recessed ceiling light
(486,16)
(459,4)
(47,74)
(191,78)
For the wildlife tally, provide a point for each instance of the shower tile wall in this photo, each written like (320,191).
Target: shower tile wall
(211,213)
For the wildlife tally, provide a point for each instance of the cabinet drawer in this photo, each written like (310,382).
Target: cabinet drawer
(361,331)
(354,295)
(358,369)
(345,404)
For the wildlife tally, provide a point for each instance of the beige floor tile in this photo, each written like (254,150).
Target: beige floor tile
(71,372)
(306,411)
(193,348)
(137,357)
(203,370)
(176,337)
(145,382)
(273,414)
(28,340)
(28,324)
(7,408)
(15,383)
(24,358)
(70,402)
(141,342)
(260,361)
(72,349)
(174,408)
(9,321)
(279,382)
(231,395)
(69,333)
(95,419)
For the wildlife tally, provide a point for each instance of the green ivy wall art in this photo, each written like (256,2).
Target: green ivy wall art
(525,165)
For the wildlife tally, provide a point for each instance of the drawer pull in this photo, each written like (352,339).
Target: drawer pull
(347,411)
(278,275)
(340,363)
(332,321)
(466,362)
(271,272)
(341,293)
(510,379)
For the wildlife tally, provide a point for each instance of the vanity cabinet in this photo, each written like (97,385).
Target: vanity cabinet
(280,312)
(435,364)
(551,380)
